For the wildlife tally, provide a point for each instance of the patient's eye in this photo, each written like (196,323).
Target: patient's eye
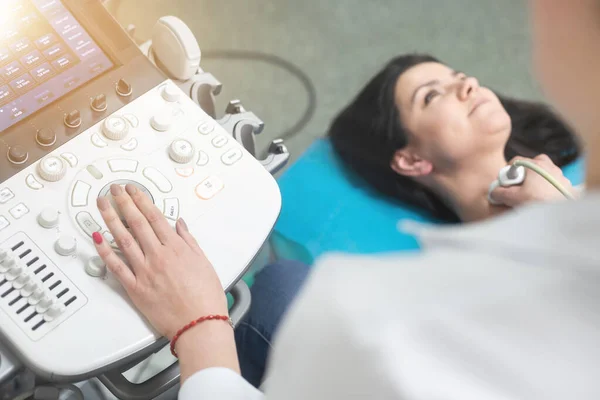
(430,95)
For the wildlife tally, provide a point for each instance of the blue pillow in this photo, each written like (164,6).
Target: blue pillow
(324,210)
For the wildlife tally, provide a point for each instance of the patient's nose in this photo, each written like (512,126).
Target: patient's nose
(468,87)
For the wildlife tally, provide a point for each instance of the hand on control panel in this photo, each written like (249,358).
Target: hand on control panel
(171,281)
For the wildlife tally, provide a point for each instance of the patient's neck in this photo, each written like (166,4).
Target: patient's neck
(466,187)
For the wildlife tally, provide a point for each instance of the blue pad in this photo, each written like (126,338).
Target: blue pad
(324,210)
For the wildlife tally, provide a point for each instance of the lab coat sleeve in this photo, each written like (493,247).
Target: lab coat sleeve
(218,384)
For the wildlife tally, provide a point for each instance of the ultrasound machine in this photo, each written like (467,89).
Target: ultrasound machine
(82,107)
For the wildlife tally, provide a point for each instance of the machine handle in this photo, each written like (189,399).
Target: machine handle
(123,389)
(277,158)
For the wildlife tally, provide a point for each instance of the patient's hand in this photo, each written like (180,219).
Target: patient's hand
(534,188)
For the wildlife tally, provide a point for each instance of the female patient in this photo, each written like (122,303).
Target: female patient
(434,138)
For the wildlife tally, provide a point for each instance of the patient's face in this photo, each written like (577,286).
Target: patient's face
(449,117)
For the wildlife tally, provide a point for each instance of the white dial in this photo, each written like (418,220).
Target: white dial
(170,93)
(48,218)
(95,267)
(162,120)
(52,169)
(65,245)
(181,151)
(115,127)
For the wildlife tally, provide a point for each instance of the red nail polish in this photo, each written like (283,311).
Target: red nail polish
(97,237)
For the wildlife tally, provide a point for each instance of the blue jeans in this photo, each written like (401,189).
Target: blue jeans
(275,287)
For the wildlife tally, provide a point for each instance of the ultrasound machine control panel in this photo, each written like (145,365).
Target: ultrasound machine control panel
(81,108)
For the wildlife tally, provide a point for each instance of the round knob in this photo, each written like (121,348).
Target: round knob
(52,169)
(73,119)
(54,311)
(162,120)
(170,93)
(48,218)
(45,137)
(98,103)
(181,151)
(115,127)
(95,267)
(17,154)
(65,245)
(123,88)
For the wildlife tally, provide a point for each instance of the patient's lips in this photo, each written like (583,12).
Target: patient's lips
(478,103)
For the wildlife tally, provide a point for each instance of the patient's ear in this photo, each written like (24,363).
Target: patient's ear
(408,163)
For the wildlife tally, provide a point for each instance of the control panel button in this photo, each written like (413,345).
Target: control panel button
(95,267)
(181,151)
(71,159)
(19,211)
(29,288)
(95,172)
(232,156)
(3,223)
(110,239)
(36,295)
(123,88)
(115,127)
(87,223)
(65,245)
(45,137)
(8,263)
(52,169)
(123,165)
(132,119)
(131,145)
(33,183)
(98,103)
(80,195)
(220,141)
(98,141)
(22,280)
(6,195)
(172,209)
(202,158)
(206,127)
(45,302)
(15,271)
(73,119)
(208,188)
(54,312)
(17,154)
(162,120)
(170,93)
(156,177)
(48,218)
(185,172)
(3,254)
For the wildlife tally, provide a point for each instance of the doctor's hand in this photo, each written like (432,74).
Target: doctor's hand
(170,280)
(535,188)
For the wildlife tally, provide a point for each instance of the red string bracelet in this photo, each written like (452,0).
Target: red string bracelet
(194,323)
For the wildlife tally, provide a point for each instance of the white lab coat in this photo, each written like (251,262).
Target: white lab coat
(504,309)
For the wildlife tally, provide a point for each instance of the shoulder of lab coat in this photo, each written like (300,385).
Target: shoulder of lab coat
(472,317)
(218,384)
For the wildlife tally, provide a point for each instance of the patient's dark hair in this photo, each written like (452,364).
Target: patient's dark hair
(368,132)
